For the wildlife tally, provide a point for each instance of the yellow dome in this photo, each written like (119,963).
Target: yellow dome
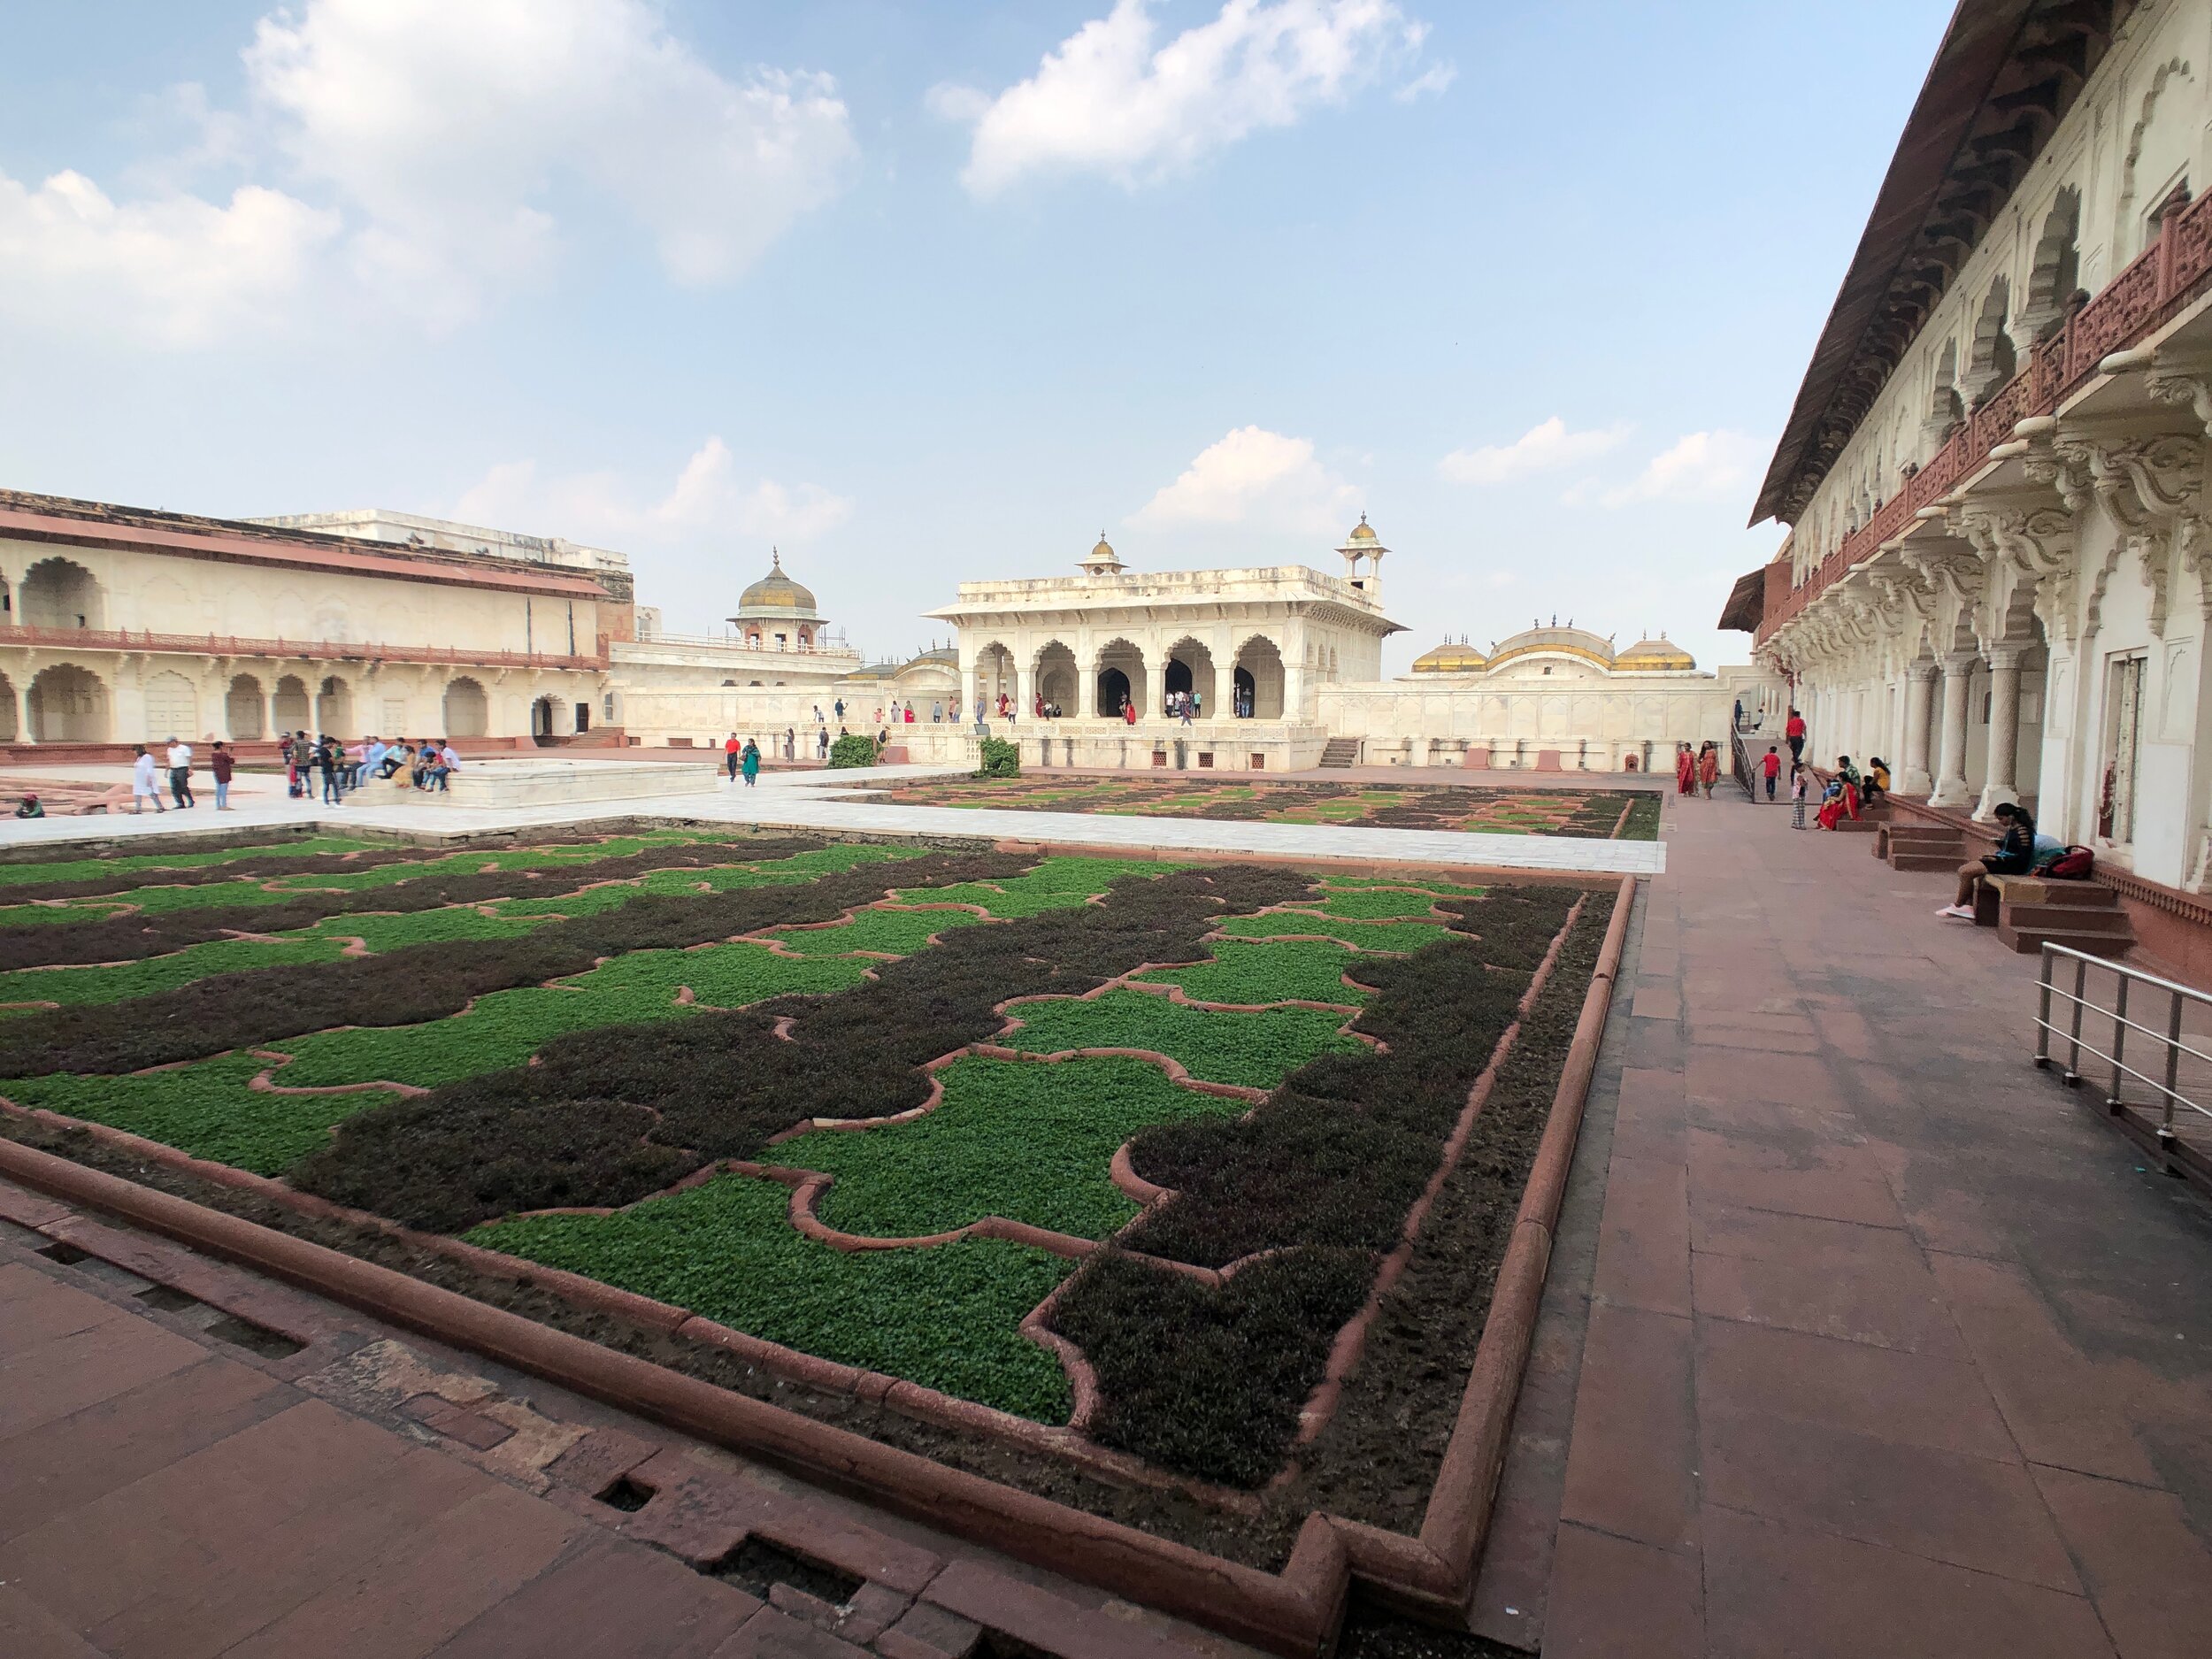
(1654,654)
(1448,658)
(1364,531)
(1102,557)
(776,592)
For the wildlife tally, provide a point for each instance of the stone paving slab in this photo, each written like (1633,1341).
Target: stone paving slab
(211,1502)
(1892,1348)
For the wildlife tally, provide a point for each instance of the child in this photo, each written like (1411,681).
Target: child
(1797,794)
(1771,765)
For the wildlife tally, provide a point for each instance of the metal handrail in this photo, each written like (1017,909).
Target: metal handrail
(2165,1036)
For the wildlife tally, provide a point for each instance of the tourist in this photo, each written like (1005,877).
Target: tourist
(2015,856)
(1129,710)
(936,711)
(1797,794)
(1845,770)
(821,744)
(1040,710)
(910,714)
(449,760)
(1793,733)
(1183,709)
(818,714)
(390,759)
(1874,787)
(750,761)
(223,764)
(729,756)
(1840,798)
(883,736)
(30,808)
(145,782)
(1197,708)
(1684,769)
(1770,763)
(790,744)
(181,772)
(1708,768)
(839,706)
(979,709)
(326,762)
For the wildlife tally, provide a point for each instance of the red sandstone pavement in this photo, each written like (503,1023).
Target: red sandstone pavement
(1890,1347)
(176,1484)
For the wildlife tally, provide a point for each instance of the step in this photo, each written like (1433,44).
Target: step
(1859,826)
(2086,895)
(2030,941)
(2068,918)
(1917,861)
(1925,832)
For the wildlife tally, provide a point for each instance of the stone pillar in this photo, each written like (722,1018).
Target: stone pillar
(22,685)
(1024,691)
(2004,731)
(1958,674)
(1086,689)
(1912,772)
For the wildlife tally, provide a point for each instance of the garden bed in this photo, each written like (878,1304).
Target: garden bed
(1193,1180)
(1576,813)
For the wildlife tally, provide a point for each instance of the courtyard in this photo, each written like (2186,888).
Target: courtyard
(1112,1147)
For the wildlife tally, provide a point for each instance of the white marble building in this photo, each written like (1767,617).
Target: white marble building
(1548,697)
(1254,647)
(1999,567)
(121,625)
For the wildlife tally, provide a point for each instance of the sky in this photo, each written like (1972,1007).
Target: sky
(920,294)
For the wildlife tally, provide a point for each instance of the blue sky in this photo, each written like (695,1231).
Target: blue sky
(926,294)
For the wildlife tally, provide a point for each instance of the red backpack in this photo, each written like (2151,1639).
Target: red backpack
(2073,864)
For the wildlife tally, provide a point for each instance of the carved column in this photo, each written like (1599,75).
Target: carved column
(2004,731)
(1913,776)
(22,686)
(1951,789)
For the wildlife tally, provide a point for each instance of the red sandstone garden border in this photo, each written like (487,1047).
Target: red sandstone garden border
(1293,1612)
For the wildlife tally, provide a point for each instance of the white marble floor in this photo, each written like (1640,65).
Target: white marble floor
(822,800)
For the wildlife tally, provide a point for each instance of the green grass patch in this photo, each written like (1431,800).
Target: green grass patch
(1375,904)
(893,933)
(1398,936)
(947,1317)
(1295,971)
(1055,884)
(205,1109)
(1256,1050)
(1011,1138)
(121,980)
(1450,889)
(505,1029)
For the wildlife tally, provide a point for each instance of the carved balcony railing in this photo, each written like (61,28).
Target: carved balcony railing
(310,650)
(2172,271)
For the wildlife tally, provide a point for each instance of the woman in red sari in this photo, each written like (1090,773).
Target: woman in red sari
(1842,798)
(1708,768)
(1684,769)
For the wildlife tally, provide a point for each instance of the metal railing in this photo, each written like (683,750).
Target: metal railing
(2150,1021)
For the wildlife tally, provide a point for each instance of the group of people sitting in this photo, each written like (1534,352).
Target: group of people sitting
(1847,792)
(343,767)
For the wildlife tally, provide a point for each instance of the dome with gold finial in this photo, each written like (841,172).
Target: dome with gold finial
(1657,656)
(1363,531)
(775,595)
(1103,561)
(1451,657)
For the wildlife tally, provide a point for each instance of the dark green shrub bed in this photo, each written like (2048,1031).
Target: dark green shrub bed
(1324,1172)
(70,874)
(426,983)
(131,937)
(719,1086)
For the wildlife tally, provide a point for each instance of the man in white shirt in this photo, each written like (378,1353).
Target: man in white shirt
(181,772)
(145,782)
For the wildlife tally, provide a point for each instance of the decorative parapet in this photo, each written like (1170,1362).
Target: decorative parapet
(2172,273)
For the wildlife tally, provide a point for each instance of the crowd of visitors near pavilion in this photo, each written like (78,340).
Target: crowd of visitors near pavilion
(325,769)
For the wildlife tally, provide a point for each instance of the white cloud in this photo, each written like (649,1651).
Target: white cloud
(1434,79)
(429,154)
(1539,450)
(1107,100)
(1255,476)
(1698,466)
(176,270)
(448,125)
(707,501)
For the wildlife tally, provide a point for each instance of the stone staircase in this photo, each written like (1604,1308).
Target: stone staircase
(1341,752)
(2085,916)
(1920,846)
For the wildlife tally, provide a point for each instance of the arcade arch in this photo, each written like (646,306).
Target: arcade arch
(1190,668)
(467,710)
(60,592)
(1257,679)
(1120,678)
(68,704)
